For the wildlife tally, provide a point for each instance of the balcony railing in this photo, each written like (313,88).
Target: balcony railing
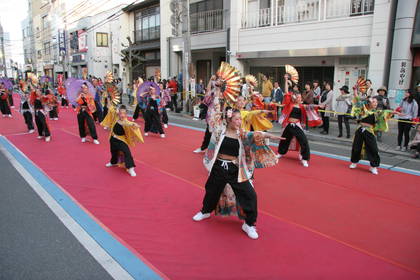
(207,21)
(306,11)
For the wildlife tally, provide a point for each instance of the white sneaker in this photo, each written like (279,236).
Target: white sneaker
(109,164)
(47,139)
(39,137)
(83,140)
(56,119)
(198,151)
(162,136)
(95,141)
(305,163)
(9,116)
(146,134)
(132,172)
(374,170)
(398,148)
(12,106)
(353,166)
(31,131)
(404,149)
(4,116)
(300,157)
(278,156)
(165,125)
(251,231)
(200,216)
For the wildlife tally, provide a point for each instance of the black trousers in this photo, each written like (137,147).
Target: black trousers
(137,112)
(152,122)
(404,130)
(325,122)
(4,107)
(41,124)
(98,114)
(206,140)
(165,118)
(53,113)
(174,102)
(244,192)
(362,136)
(345,119)
(64,102)
(289,132)
(28,120)
(11,99)
(118,146)
(83,117)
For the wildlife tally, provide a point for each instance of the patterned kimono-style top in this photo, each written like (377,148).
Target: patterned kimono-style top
(361,111)
(253,153)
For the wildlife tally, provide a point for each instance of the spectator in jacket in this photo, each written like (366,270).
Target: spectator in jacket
(308,94)
(343,106)
(317,91)
(267,88)
(326,101)
(383,104)
(173,86)
(408,111)
(277,93)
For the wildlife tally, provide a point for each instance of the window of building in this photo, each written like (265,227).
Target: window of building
(39,54)
(44,22)
(101,39)
(47,48)
(147,24)
(152,55)
(206,5)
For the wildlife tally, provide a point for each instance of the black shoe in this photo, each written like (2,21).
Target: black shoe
(348,136)
(324,132)
(340,135)
(416,155)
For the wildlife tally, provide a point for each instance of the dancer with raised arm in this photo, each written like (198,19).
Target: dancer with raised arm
(230,159)
(370,120)
(123,134)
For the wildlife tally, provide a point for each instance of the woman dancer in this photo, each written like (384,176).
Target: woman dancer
(231,158)
(4,101)
(38,101)
(123,135)
(26,110)
(52,104)
(62,92)
(164,101)
(152,121)
(370,120)
(86,106)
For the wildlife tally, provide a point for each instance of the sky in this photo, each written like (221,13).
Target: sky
(12,12)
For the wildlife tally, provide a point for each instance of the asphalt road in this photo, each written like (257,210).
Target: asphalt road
(34,244)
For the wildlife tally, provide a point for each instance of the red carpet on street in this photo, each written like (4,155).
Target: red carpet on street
(321,222)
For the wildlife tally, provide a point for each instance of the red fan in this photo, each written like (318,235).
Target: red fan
(230,76)
(361,85)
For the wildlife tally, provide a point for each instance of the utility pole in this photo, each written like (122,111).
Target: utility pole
(186,36)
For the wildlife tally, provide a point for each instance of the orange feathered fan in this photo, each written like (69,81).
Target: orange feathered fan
(231,78)
(361,85)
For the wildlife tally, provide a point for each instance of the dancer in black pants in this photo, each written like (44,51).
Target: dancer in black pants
(227,167)
(370,120)
(123,134)
(4,102)
(152,121)
(86,106)
(41,121)
(25,109)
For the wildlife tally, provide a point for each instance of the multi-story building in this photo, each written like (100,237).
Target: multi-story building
(91,44)
(142,24)
(28,45)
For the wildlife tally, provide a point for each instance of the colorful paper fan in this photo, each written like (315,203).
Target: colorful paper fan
(7,83)
(361,84)
(231,78)
(294,75)
(251,80)
(33,78)
(74,87)
(145,88)
(111,92)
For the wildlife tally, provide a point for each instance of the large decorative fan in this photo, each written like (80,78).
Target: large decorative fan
(230,76)
(251,80)
(361,85)
(74,87)
(145,87)
(33,78)
(111,92)
(294,75)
